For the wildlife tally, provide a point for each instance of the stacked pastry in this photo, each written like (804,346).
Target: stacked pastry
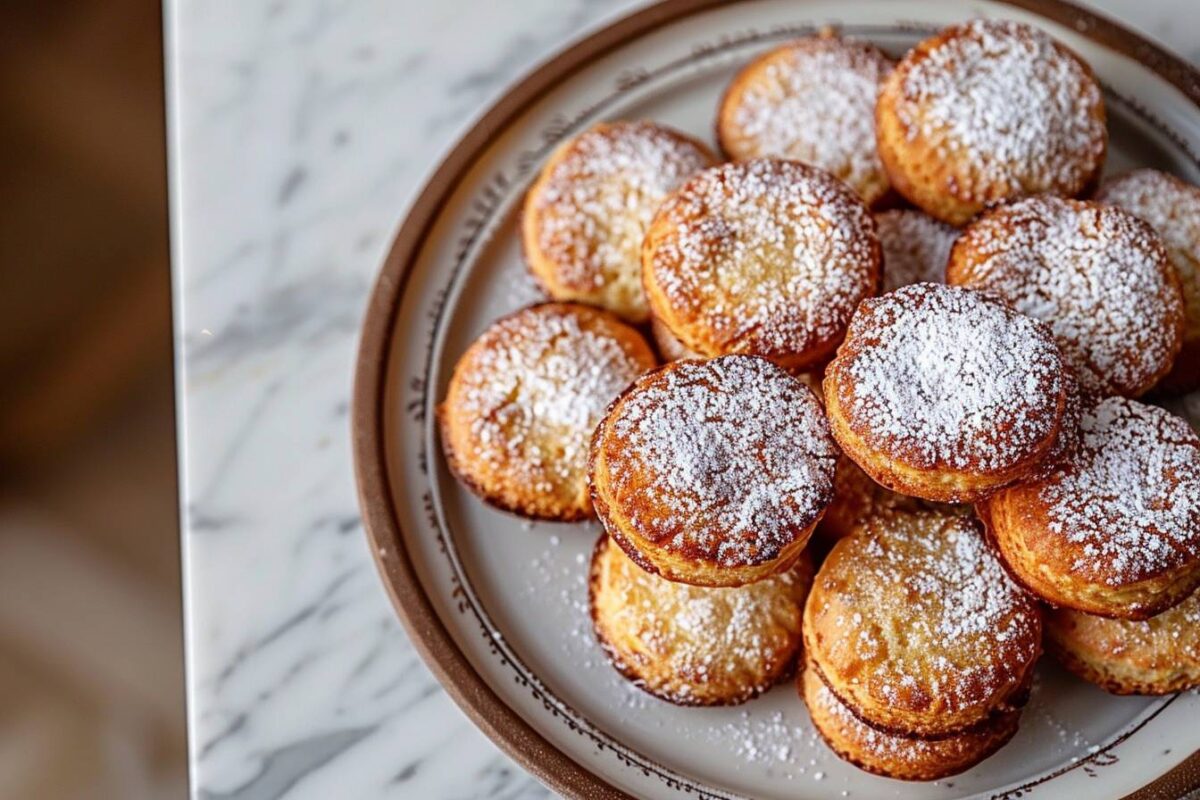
(888,317)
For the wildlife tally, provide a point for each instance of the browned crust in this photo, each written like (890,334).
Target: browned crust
(972,747)
(930,183)
(429,633)
(540,265)
(895,468)
(1185,373)
(532,505)
(786,672)
(1109,683)
(857,496)
(696,334)
(686,563)
(963,269)
(526,511)
(723,122)
(1097,672)
(930,711)
(941,485)
(1010,704)
(1016,525)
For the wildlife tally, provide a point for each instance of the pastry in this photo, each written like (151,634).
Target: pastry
(811,100)
(1098,276)
(713,472)
(524,399)
(695,645)
(585,215)
(944,393)
(762,257)
(989,110)
(1159,655)
(914,626)
(1116,531)
(892,755)
(857,498)
(915,247)
(1172,208)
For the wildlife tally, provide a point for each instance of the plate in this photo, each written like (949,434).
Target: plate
(497,605)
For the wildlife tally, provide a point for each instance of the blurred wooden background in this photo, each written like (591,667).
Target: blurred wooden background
(91,690)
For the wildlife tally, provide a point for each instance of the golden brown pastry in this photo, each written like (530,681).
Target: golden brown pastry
(944,393)
(585,216)
(524,399)
(916,247)
(1116,531)
(1172,208)
(671,349)
(1098,276)
(1159,655)
(989,110)
(761,257)
(694,645)
(713,472)
(914,626)
(811,100)
(857,498)
(895,756)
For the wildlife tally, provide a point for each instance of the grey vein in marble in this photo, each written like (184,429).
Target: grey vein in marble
(300,130)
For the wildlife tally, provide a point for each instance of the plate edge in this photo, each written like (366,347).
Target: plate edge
(429,635)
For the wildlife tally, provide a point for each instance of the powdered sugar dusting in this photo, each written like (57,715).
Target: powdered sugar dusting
(770,257)
(596,203)
(534,387)
(1003,98)
(1172,208)
(891,747)
(740,638)
(740,454)
(813,100)
(1095,274)
(1169,641)
(915,248)
(877,742)
(1131,495)
(944,376)
(965,626)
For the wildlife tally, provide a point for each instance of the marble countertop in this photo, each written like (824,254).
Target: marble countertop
(300,129)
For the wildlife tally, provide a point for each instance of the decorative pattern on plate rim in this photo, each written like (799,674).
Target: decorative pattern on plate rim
(496,193)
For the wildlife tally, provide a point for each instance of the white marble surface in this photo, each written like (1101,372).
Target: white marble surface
(300,129)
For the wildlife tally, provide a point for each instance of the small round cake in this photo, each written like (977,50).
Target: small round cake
(810,100)
(914,626)
(1172,208)
(1097,275)
(586,214)
(989,110)
(524,399)
(916,247)
(761,257)
(894,756)
(695,645)
(1116,530)
(1159,655)
(944,393)
(713,473)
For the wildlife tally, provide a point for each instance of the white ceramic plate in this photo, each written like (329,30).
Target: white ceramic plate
(498,605)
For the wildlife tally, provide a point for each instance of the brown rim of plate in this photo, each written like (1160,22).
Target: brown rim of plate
(428,633)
